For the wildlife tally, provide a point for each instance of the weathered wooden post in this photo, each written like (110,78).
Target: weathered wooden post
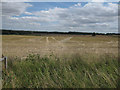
(5,62)
(4,59)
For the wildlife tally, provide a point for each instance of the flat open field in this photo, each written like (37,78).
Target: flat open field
(60,61)
(21,45)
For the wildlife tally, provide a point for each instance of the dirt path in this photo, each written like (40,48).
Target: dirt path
(54,39)
(47,40)
(65,40)
(34,40)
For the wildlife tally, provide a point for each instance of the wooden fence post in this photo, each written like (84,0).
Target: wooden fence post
(4,59)
(5,62)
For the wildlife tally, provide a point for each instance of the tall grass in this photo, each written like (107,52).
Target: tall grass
(53,72)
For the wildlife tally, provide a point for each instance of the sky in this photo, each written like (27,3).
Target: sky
(99,17)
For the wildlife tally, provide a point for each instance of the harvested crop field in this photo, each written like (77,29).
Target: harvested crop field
(21,45)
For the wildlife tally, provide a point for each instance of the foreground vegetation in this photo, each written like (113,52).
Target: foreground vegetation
(48,72)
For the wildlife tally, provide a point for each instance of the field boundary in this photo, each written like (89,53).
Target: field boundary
(5,61)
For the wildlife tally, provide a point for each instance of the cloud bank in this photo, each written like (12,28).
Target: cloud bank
(60,0)
(92,17)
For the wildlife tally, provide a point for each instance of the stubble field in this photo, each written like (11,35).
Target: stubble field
(21,46)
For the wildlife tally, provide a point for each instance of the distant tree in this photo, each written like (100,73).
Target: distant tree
(93,34)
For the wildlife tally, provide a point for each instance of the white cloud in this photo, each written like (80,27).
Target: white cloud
(27,13)
(15,0)
(78,4)
(92,17)
(98,0)
(14,9)
(60,0)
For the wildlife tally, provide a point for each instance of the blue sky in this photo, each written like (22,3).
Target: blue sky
(38,6)
(46,5)
(60,16)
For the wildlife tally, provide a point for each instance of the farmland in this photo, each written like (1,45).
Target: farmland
(61,61)
(21,46)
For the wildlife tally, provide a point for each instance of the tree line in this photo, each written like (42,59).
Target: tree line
(16,32)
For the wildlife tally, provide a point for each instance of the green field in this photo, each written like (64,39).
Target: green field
(60,61)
